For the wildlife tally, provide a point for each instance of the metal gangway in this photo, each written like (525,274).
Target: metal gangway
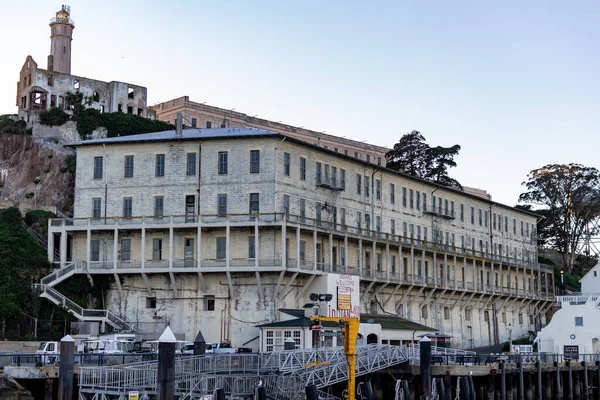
(283,374)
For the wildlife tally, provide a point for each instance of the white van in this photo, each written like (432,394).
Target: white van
(49,352)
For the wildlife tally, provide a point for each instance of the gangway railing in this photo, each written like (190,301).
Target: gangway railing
(283,373)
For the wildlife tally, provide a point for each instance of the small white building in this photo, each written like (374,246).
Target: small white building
(575,328)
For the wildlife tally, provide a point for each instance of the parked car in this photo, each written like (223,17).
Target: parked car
(188,348)
(216,348)
(227,348)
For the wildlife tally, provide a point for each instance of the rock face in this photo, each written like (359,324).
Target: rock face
(37,171)
(11,390)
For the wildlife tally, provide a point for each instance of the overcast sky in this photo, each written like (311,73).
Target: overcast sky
(515,83)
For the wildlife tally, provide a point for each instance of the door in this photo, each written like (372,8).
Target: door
(156,249)
(188,253)
(334,261)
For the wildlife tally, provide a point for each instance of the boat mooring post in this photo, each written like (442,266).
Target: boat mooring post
(311,392)
(260,393)
(569,381)
(502,380)
(65,370)
(557,392)
(166,365)
(199,344)
(219,394)
(521,381)
(586,382)
(598,380)
(425,367)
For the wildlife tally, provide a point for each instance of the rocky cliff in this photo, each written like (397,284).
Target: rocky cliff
(36,171)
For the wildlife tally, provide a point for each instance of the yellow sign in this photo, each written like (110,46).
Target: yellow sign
(134,395)
(344,298)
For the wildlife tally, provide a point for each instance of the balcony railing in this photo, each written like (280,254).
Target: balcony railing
(193,221)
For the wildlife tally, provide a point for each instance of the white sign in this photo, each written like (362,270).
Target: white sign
(345,290)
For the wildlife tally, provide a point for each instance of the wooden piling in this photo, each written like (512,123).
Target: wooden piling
(586,382)
(489,388)
(569,384)
(558,395)
(597,380)
(538,380)
(502,380)
(448,386)
(166,365)
(510,387)
(521,381)
(577,385)
(65,370)
(549,380)
(529,386)
(425,367)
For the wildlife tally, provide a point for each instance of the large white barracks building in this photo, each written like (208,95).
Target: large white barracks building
(219,229)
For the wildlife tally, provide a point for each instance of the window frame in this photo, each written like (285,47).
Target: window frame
(97,201)
(222,162)
(302,168)
(127,207)
(157,200)
(191,164)
(254,200)
(129,166)
(222,204)
(286,164)
(159,166)
(98,167)
(255,161)
(220,248)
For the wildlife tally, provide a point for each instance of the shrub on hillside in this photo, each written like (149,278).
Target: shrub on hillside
(53,117)
(31,217)
(121,124)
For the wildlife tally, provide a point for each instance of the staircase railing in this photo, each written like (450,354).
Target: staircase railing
(83,314)
(61,274)
(41,241)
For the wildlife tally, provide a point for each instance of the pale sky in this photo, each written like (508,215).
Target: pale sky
(514,82)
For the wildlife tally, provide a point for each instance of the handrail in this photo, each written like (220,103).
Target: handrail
(78,311)
(286,370)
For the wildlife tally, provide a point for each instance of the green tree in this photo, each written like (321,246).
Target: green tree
(22,262)
(570,196)
(412,155)
(53,117)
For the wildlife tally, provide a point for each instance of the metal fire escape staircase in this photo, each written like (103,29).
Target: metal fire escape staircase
(283,374)
(47,291)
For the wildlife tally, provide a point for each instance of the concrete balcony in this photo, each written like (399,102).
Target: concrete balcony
(292,266)
(468,259)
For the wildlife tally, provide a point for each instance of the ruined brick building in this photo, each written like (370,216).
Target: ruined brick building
(41,89)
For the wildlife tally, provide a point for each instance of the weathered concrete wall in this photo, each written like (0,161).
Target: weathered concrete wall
(65,133)
(21,347)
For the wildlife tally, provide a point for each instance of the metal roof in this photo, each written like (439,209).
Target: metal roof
(390,322)
(186,134)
